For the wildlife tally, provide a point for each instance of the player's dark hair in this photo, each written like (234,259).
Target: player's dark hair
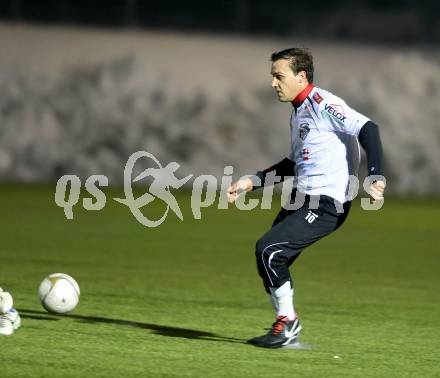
(300,60)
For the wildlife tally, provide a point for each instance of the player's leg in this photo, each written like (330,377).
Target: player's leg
(277,250)
(261,270)
(283,213)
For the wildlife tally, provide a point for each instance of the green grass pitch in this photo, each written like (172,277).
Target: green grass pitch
(181,299)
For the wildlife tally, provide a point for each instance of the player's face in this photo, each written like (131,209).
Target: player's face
(286,83)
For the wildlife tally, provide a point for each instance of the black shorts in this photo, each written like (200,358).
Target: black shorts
(291,232)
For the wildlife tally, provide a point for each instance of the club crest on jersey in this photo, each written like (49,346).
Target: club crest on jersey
(304,130)
(336,111)
(317,97)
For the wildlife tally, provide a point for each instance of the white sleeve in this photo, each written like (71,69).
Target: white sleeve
(338,116)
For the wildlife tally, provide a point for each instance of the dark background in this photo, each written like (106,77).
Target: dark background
(400,21)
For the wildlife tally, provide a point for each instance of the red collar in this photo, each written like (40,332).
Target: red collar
(298,100)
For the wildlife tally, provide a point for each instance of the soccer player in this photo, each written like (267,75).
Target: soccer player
(324,152)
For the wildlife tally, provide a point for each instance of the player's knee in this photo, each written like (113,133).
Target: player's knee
(278,260)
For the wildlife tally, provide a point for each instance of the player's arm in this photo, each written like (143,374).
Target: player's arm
(282,169)
(369,139)
(341,118)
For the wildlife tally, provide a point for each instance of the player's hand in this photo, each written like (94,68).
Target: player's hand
(376,190)
(238,187)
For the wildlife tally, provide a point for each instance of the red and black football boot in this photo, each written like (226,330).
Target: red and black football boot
(282,333)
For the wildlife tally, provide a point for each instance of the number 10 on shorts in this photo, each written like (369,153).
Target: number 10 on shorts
(310,217)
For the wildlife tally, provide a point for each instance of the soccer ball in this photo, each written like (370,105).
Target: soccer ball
(59,293)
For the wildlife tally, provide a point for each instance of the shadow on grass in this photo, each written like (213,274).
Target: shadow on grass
(35,317)
(156,328)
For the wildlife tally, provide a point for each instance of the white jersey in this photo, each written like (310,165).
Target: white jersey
(324,143)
